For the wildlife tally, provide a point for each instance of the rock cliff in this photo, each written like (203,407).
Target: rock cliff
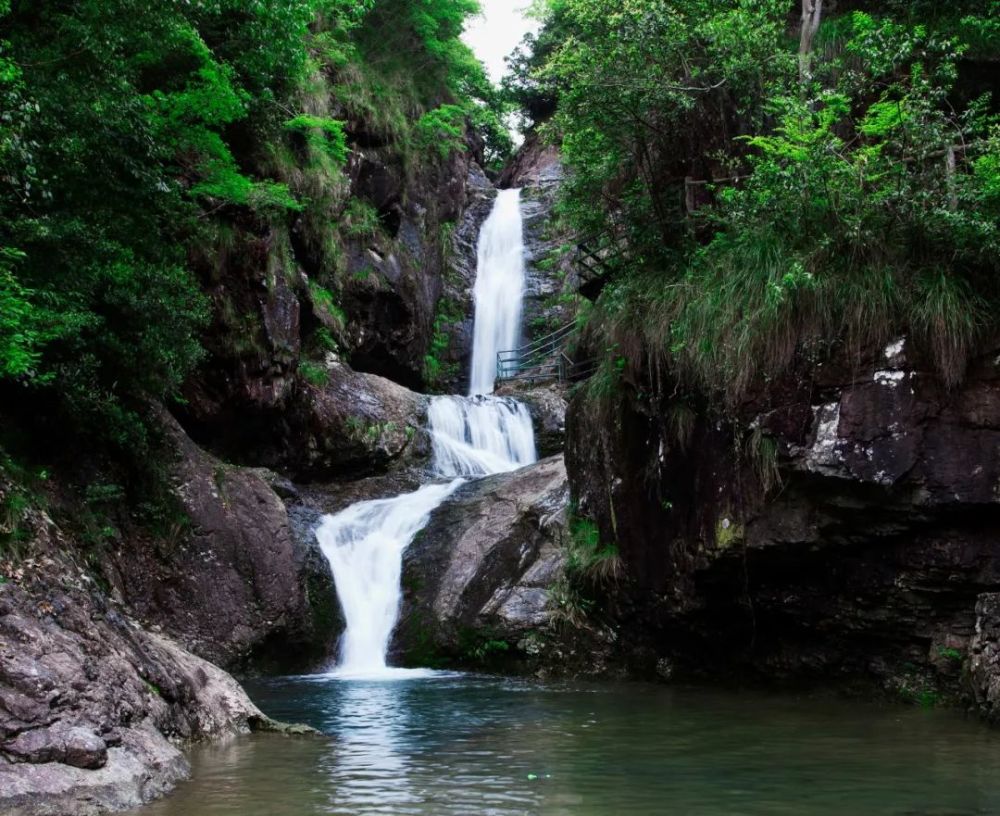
(840,526)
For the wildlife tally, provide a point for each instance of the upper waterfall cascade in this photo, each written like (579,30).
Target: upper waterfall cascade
(472,437)
(499,289)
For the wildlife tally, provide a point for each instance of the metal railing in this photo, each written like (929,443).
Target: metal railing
(543,360)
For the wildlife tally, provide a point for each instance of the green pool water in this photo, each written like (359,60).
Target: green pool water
(494,747)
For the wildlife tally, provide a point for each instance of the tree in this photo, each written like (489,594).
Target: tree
(812,15)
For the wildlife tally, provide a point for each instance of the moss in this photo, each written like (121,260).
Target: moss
(438,371)
(420,643)
(589,559)
(953,655)
(483,646)
(324,608)
(728,533)
(155,689)
(314,373)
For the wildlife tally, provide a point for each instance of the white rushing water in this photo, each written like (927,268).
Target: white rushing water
(479,436)
(364,545)
(472,437)
(499,290)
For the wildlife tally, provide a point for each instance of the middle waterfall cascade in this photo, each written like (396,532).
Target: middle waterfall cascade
(472,437)
(479,436)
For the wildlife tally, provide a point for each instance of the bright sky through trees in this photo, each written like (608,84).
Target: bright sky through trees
(497,32)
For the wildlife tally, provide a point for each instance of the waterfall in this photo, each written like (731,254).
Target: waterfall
(499,290)
(472,437)
(479,436)
(364,545)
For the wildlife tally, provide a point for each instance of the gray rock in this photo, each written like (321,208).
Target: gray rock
(58,743)
(485,563)
(93,709)
(984,656)
(236,587)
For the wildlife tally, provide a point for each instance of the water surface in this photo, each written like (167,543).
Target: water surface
(477,746)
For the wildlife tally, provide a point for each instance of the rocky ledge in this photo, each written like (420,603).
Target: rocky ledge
(234,583)
(93,709)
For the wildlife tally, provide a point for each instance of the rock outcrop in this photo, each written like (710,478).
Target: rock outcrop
(401,280)
(551,279)
(93,709)
(232,583)
(842,529)
(457,306)
(389,290)
(482,570)
(346,423)
(357,424)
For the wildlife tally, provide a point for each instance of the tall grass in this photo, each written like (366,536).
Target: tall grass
(747,305)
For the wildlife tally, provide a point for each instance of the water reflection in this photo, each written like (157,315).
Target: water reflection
(372,721)
(465,746)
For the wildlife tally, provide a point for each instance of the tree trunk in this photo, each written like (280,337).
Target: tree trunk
(812,15)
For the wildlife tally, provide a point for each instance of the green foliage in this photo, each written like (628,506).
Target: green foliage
(314,373)
(22,329)
(322,134)
(361,219)
(437,370)
(588,558)
(486,649)
(135,134)
(324,300)
(406,53)
(442,130)
(856,206)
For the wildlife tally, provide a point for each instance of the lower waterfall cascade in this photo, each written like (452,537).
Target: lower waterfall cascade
(472,437)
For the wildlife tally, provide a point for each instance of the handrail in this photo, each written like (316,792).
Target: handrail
(557,335)
(541,360)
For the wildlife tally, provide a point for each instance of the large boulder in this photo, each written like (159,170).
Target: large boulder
(93,709)
(482,570)
(343,424)
(232,582)
(356,425)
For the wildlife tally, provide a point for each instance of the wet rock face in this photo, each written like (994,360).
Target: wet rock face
(984,660)
(235,586)
(405,294)
(358,425)
(482,569)
(848,535)
(460,278)
(547,404)
(399,284)
(91,705)
(352,424)
(537,170)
